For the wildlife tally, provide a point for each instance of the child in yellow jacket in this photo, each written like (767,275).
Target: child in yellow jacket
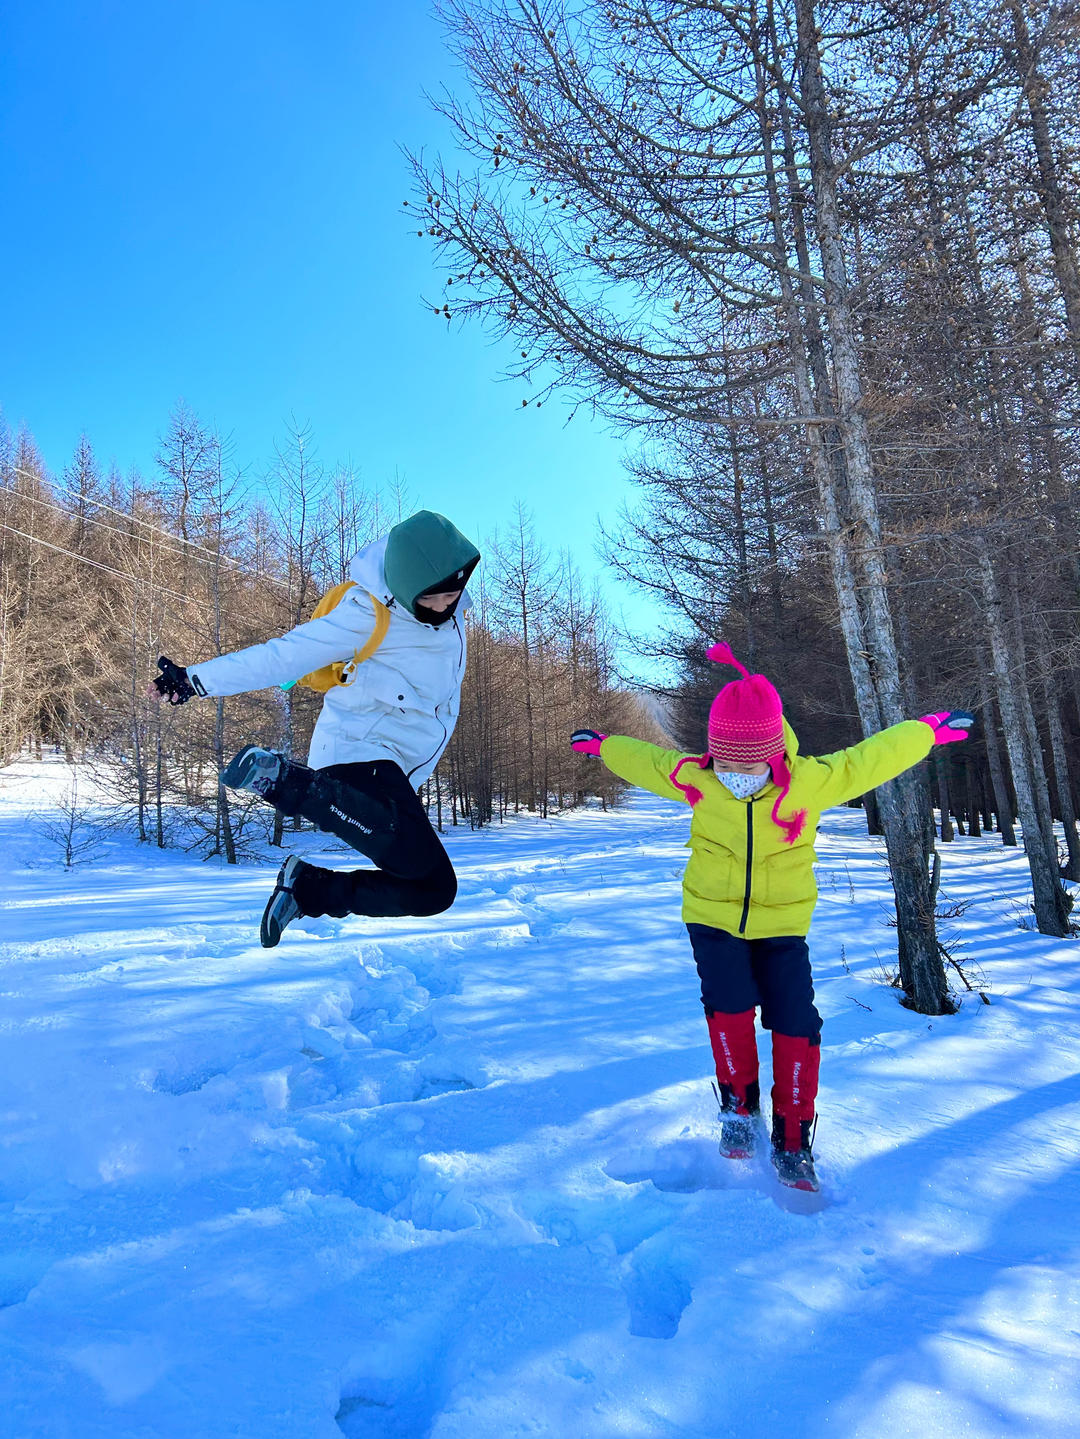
(749,889)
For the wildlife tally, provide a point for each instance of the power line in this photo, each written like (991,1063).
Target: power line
(95,564)
(112,530)
(134,519)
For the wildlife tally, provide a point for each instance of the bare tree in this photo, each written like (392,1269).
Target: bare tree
(658,219)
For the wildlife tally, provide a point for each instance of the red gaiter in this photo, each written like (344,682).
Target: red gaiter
(734,1047)
(796,1062)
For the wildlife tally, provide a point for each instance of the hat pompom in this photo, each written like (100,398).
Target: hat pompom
(722,654)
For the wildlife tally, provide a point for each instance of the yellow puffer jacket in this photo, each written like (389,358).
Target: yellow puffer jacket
(743,876)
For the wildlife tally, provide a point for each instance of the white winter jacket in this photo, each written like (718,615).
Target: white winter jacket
(402,704)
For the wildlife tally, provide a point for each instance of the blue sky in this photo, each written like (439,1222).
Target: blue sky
(204,201)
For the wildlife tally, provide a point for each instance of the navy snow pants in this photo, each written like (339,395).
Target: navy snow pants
(740,974)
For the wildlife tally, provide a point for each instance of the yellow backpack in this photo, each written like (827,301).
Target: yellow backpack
(328,676)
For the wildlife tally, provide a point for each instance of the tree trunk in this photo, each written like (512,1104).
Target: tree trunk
(159,780)
(224,815)
(284,699)
(1057,225)
(998,781)
(943,798)
(1037,760)
(901,802)
(138,757)
(1060,763)
(1051,912)
(873,815)
(972,794)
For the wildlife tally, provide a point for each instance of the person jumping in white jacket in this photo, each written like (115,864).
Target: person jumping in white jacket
(380,733)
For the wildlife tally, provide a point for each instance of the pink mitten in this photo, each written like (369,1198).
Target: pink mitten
(587,741)
(949,725)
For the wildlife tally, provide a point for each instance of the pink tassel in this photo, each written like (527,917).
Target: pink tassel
(792,827)
(692,793)
(722,654)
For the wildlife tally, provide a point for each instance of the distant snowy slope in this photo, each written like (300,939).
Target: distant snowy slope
(456,1178)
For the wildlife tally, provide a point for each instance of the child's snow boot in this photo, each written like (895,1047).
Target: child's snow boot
(281,908)
(796,1062)
(738,1130)
(794,1167)
(734,1047)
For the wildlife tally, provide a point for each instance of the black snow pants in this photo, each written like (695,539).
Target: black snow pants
(375,809)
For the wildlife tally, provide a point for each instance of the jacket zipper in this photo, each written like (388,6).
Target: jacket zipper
(749,864)
(434,752)
(439,748)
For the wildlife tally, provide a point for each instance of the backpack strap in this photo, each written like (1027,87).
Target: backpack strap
(332,599)
(328,677)
(378,634)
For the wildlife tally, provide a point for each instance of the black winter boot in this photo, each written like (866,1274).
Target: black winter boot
(738,1122)
(279,781)
(254,769)
(794,1167)
(281,908)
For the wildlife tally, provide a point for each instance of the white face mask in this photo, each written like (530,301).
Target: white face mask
(742,786)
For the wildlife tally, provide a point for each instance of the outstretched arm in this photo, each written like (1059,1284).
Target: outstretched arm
(332,638)
(634,760)
(849,772)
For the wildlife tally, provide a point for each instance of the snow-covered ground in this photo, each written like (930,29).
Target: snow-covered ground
(457,1177)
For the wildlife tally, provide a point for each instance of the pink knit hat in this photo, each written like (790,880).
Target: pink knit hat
(746,726)
(746,721)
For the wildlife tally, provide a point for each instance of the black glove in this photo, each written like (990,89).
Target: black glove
(173,683)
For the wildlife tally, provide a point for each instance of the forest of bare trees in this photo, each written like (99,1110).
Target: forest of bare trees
(101,573)
(821,260)
(818,262)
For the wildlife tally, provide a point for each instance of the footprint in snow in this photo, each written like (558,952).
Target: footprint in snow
(359,1415)
(431,1088)
(657,1290)
(684,1167)
(185,1081)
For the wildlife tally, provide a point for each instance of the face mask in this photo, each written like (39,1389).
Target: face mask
(742,786)
(434,617)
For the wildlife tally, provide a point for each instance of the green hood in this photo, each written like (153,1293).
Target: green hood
(791,741)
(423,551)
